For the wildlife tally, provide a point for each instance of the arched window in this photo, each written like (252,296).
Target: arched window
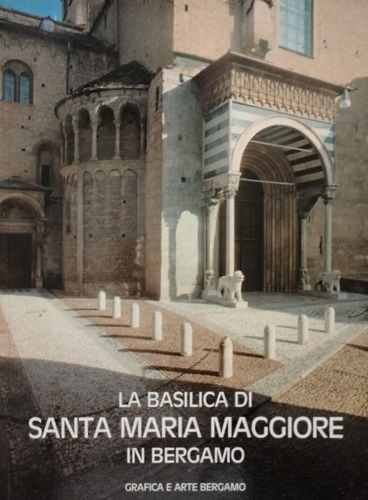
(69,140)
(9,86)
(17,82)
(130,132)
(25,88)
(105,134)
(85,135)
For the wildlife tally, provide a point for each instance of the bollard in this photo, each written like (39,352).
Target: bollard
(270,342)
(186,340)
(226,358)
(101,301)
(329,319)
(303,330)
(157,326)
(116,307)
(134,317)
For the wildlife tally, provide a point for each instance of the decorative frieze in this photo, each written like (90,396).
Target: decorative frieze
(259,84)
(267,91)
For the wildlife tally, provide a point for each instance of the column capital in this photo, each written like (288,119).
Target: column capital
(230,191)
(233,179)
(211,198)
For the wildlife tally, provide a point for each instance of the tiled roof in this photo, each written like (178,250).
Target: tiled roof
(133,74)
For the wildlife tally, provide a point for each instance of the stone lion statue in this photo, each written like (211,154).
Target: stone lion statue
(231,287)
(331,281)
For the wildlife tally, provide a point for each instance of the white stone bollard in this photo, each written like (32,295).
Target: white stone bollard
(270,342)
(157,326)
(329,319)
(134,317)
(101,301)
(303,330)
(226,358)
(116,307)
(186,340)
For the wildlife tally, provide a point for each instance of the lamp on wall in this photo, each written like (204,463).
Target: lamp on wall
(345,101)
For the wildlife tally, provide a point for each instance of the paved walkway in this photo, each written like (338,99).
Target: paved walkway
(246,326)
(85,372)
(74,369)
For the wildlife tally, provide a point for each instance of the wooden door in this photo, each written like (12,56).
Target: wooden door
(15,260)
(249,234)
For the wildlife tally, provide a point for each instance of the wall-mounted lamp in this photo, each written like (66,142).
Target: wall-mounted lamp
(345,101)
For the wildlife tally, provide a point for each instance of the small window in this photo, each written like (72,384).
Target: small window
(296,26)
(17,82)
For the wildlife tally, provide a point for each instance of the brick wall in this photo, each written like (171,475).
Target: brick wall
(27,129)
(110,229)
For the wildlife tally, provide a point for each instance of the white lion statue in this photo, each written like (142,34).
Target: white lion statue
(231,287)
(331,281)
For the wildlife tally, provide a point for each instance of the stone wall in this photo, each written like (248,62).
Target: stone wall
(153,194)
(350,208)
(207,29)
(182,211)
(144,34)
(174,224)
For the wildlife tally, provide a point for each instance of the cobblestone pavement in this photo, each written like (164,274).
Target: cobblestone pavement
(66,359)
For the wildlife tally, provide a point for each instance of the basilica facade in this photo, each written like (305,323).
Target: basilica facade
(149,144)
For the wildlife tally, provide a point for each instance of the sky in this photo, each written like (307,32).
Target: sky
(41,8)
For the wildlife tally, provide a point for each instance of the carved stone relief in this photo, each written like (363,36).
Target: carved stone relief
(245,85)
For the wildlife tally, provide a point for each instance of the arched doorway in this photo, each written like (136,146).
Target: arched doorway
(21,230)
(15,260)
(266,201)
(284,170)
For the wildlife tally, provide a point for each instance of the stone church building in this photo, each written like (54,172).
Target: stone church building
(146,142)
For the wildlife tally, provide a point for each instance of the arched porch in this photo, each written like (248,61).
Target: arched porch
(279,170)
